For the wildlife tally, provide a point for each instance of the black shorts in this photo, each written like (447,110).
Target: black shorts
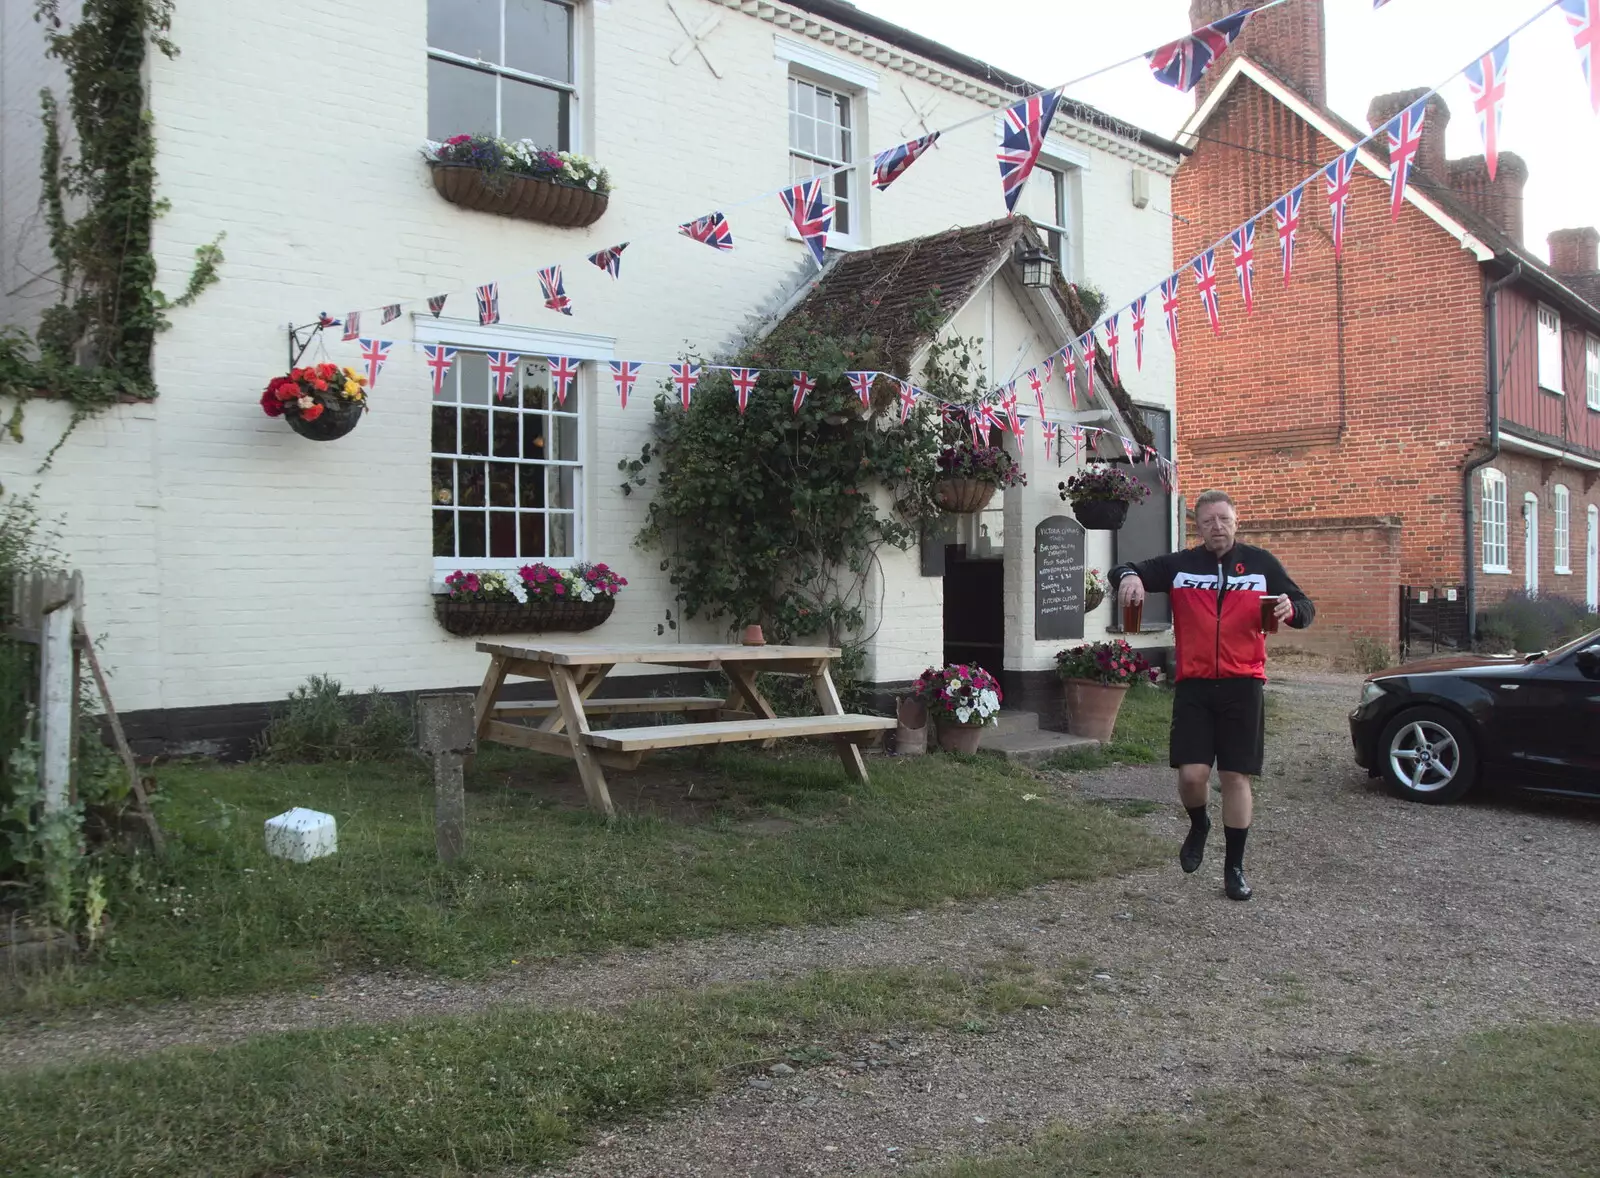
(1219,722)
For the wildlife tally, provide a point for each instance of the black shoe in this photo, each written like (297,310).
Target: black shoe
(1233,883)
(1193,851)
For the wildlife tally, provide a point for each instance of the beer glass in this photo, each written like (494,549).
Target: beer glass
(1132,615)
(1269,613)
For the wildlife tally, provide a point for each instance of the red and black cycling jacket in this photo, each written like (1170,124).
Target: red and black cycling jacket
(1216,607)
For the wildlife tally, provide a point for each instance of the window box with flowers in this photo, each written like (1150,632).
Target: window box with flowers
(1096,676)
(1101,495)
(321,402)
(517,178)
(968,477)
(538,598)
(962,699)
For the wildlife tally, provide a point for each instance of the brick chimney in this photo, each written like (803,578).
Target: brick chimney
(1498,201)
(1575,251)
(1430,155)
(1290,41)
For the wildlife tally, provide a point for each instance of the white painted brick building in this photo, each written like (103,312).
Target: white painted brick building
(227,558)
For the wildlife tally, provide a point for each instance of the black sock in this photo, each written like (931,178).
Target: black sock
(1198,818)
(1235,836)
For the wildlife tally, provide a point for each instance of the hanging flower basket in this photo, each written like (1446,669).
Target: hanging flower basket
(524,197)
(321,402)
(963,496)
(1100,515)
(467,618)
(1094,590)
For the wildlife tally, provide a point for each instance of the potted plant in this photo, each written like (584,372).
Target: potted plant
(537,598)
(962,699)
(321,402)
(1094,590)
(1096,676)
(1100,496)
(968,476)
(518,178)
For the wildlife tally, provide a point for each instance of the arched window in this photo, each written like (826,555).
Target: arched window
(1496,553)
(1563,529)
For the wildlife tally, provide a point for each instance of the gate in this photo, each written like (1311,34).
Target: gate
(1432,620)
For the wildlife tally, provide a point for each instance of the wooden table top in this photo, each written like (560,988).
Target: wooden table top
(665,654)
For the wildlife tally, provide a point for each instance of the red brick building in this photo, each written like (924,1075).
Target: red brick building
(1425,411)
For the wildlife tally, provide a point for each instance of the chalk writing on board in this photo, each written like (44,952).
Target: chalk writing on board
(1058,578)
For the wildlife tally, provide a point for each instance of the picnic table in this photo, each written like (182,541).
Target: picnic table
(574,672)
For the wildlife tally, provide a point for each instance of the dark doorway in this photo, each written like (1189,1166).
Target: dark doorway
(1147,531)
(974,610)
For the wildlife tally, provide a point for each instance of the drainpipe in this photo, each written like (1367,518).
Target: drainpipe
(1491,303)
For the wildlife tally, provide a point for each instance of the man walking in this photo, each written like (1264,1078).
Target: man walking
(1217,593)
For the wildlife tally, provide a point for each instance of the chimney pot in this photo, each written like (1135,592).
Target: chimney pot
(1575,251)
(1430,155)
(1290,41)
(1498,201)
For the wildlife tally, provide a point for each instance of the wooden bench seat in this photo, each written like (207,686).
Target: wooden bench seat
(671,736)
(614,707)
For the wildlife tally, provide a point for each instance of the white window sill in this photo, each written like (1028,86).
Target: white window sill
(1552,389)
(1563,572)
(1497,568)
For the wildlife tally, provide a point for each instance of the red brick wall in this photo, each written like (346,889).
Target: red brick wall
(1356,392)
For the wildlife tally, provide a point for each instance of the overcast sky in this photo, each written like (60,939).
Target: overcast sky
(1409,43)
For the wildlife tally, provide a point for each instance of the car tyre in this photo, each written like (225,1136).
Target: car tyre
(1428,755)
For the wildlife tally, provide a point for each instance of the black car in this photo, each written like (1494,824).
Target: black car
(1431,728)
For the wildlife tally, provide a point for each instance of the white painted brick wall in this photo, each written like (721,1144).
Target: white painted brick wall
(226,557)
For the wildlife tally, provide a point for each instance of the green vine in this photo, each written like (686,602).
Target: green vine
(93,347)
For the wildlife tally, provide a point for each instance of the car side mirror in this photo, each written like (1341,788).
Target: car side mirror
(1589,662)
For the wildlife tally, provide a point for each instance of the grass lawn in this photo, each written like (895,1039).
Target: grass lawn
(777,840)
(1140,737)
(1513,1102)
(460,1096)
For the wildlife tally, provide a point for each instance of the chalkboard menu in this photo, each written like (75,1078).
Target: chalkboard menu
(1058,578)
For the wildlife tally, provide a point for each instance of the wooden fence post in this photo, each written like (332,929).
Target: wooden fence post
(58,659)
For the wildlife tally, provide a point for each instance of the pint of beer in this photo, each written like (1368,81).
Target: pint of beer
(1269,614)
(1132,616)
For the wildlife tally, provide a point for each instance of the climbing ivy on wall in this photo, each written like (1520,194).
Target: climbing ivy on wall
(93,347)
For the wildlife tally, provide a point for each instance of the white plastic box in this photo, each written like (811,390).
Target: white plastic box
(301,835)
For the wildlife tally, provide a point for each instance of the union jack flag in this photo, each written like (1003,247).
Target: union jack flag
(1205,281)
(1021,139)
(555,290)
(1051,432)
(1008,405)
(908,399)
(1037,385)
(325,320)
(624,373)
(375,352)
(488,303)
(610,259)
(440,358)
(563,371)
(1113,342)
(1091,349)
(1405,139)
(744,382)
(803,385)
(1584,17)
(1138,331)
(436,304)
(1486,78)
(352,326)
(1049,367)
(1069,373)
(685,376)
(1075,434)
(391,312)
(1130,448)
(712,229)
(1243,240)
(1169,305)
(889,166)
(811,213)
(1286,212)
(988,421)
(861,382)
(503,367)
(1180,63)
(1338,176)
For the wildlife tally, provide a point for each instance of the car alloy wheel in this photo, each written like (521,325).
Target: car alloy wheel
(1424,757)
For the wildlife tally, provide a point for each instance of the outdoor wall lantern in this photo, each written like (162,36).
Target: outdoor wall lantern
(1038,268)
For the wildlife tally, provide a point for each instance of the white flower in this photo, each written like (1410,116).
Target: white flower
(988,702)
(963,714)
(587,594)
(518,590)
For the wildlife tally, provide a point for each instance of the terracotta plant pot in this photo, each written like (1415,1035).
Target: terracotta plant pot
(518,196)
(911,737)
(1100,515)
(963,496)
(1091,708)
(510,617)
(959,738)
(337,420)
(752,636)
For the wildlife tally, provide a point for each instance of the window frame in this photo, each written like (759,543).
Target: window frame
(858,177)
(1549,350)
(1530,543)
(1489,478)
(498,71)
(1591,370)
(1561,528)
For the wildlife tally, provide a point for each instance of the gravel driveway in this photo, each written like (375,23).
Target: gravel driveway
(1378,925)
